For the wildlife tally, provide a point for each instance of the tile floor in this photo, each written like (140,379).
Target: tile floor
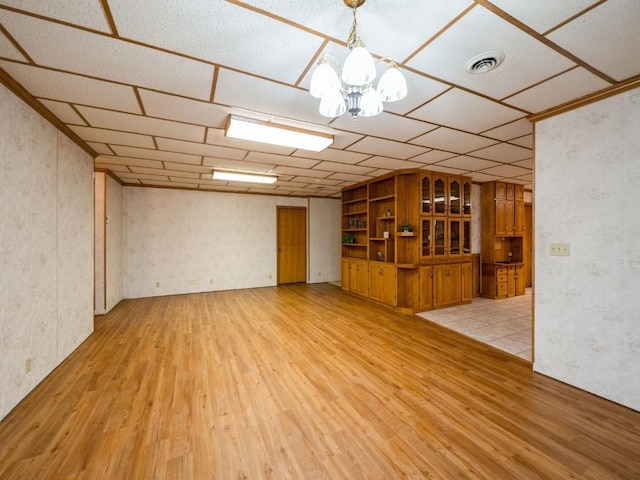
(504,323)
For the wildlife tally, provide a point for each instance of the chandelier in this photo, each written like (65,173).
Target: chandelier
(353,89)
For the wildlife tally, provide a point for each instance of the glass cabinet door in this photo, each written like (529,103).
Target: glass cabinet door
(426,238)
(466,197)
(466,237)
(455,237)
(439,240)
(454,196)
(439,199)
(427,205)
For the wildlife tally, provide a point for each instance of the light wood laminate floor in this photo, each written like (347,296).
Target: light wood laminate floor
(304,382)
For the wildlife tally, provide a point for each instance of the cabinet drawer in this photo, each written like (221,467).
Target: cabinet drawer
(501,278)
(501,289)
(501,271)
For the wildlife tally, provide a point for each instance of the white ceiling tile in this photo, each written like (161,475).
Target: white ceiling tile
(443,169)
(200,149)
(506,171)
(342,139)
(181,109)
(528,163)
(387,27)
(432,156)
(173,173)
(210,31)
(263,96)
(138,124)
(222,188)
(64,112)
(161,183)
(466,111)
(187,168)
(419,90)
(464,162)
(389,163)
(543,15)
(503,152)
(349,177)
(459,142)
(156,155)
(511,130)
(317,181)
(389,148)
(483,177)
(343,167)
(607,37)
(526,141)
(227,164)
(78,51)
(86,13)
(100,148)
(301,171)
(109,160)
(385,125)
(379,172)
(558,90)
(333,155)
(75,89)
(281,160)
(142,176)
(8,50)
(89,134)
(527,61)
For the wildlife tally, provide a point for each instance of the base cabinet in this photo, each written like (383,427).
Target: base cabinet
(382,283)
(502,281)
(447,285)
(426,289)
(355,276)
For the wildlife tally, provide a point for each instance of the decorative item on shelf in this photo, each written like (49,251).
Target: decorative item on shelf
(380,256)
(348,238)
(353,89)
(386,235)
(406,227)
(388,213)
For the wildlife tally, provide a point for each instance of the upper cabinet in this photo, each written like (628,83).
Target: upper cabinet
(504,205)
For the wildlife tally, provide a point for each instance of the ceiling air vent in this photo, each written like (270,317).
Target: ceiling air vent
(485,62)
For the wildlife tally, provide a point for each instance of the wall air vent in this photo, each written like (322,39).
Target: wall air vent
(485,62)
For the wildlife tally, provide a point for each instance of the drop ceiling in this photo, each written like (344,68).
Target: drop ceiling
(146,86)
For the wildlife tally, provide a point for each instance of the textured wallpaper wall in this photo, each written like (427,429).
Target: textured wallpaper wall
(587,305)
(46,248)
(179,241)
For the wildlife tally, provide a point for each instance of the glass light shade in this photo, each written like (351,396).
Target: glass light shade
(324,79)
(370,104)
(359,67)
(332,104)
(392,85)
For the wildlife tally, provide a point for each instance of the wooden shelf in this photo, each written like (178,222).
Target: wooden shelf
(348,202)
(387,218)
(406,234)
(357,245)
(385,197)
(351,214)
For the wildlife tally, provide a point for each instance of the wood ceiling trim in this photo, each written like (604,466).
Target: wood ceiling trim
(22,51)
(110,19)
(621,87)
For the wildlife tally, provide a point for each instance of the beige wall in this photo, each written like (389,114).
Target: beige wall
(189,241)
(114,243)
(46,248)
(325,249)
(587,193)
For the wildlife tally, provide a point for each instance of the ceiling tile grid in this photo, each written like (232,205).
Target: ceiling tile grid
(148,86)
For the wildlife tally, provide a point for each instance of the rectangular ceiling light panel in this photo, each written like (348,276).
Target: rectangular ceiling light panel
(276,134)
(243,177)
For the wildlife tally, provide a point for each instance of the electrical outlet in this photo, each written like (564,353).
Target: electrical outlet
(192,282)
(559,249)
(27,365)
(157,284)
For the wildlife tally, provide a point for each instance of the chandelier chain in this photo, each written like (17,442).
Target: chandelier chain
(353,33)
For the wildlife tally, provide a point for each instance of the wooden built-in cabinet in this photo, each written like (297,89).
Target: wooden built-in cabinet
(503,229)
(426,267)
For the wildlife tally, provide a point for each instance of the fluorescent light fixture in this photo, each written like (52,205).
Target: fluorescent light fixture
(243,177)
(276,134)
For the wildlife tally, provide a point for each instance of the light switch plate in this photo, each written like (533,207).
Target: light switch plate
(559,249)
